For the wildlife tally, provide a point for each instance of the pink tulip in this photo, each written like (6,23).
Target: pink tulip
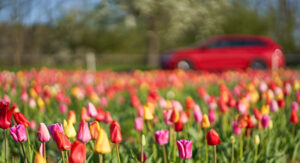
(274,106)
(63,108)
(211,116)
(139,123)
(32,125)
(32,103)
(43,133)
(236,129)
(265,121)
(103,101)
(167,116)
(185,148)
(140,110)
(241,107)
(91,110)
(24,96)
(162,137)
(197,113)
(294,106)
(18,132)
(183,117)
(84,134)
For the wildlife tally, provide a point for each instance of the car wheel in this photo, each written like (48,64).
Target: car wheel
(258,64)
(184,65)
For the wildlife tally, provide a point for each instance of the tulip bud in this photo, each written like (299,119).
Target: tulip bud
(102,145)
(94,129)
(78,153)
(205,122)
(232,139)
(265,121)
(143,140)
(148,113)
(43,133)
(69,129)
(72,117)
(174,116)
(84,134)
(212,137)
(178,126)
(197,113)
(91,109)
(139,124)
(115,132)
(84,115)
(211,116)
(294,106)
(256,139)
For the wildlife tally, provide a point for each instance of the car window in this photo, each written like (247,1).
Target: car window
(235,43)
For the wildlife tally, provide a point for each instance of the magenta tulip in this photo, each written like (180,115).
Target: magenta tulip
(162,137)
(57,127)
(18,132)
(236,129)
(185,148)
(265,121)
(294,106)
(211,116)
(84,134)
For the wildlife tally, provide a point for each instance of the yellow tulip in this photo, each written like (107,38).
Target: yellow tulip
(40,102)
(265,109)
(39,158)
(94,129)
(69,129)
(32,93)
(148,112)
(205,122)
(102,145)
(296,85)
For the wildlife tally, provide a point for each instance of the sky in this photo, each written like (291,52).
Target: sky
(41,11)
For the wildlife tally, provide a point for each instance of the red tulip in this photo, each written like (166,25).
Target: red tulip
(144,157)
(100,115)
(174,116)
(294,117)
(257,113)
(21,119)
(78,152)
(62,142)
(212,137)
(178,126)
(281,103)
(115,132)
(5,114)
(108,118)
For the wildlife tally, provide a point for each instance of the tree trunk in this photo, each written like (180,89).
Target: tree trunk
(153,51)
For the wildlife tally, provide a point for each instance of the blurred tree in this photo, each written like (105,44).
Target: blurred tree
(168,20)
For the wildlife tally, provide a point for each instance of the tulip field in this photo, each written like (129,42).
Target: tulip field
(78,116)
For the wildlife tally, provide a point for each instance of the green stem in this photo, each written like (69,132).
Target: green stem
(142,154)
(215,153)
(206,147)
(63,156)
(5,158)
(241,146)
(153,138)
(45,151)
(255,154)
(174,146)
(67,158)
(165,154)
(100,158)
(232,152)
(185,160)
(117,150)
(24,154)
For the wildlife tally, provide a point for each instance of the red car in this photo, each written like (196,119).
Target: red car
(227,52)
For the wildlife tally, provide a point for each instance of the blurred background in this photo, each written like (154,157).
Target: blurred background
(126,34)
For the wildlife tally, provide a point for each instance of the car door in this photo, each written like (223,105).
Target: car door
(214,56)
